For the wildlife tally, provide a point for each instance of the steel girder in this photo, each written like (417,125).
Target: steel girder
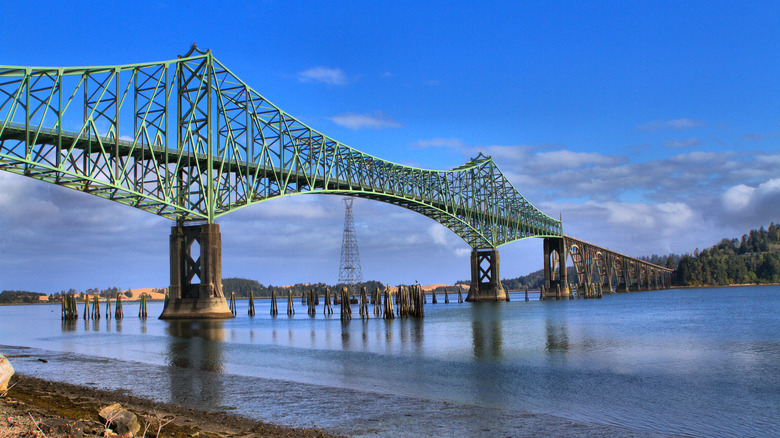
(187,140)
(589,259)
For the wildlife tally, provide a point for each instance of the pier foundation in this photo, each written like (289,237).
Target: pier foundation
(196,274)
(555,276)
(485,278)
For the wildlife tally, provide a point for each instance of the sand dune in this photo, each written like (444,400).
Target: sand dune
(155,294)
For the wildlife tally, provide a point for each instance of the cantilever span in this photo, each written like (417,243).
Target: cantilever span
(188,140)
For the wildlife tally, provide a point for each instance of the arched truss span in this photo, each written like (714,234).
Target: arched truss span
(186,139)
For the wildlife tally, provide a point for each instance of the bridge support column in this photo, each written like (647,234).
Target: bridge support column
(485,277)
(555,246)
(196,274)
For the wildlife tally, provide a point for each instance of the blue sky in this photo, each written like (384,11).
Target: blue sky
(651,127)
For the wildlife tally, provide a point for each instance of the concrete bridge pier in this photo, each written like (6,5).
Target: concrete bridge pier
(555,263)
(485,278)
(196,274)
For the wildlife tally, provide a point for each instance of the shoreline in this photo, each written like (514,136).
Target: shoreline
(62,409)
(706,286)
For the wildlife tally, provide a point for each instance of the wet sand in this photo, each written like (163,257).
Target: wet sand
(34,407)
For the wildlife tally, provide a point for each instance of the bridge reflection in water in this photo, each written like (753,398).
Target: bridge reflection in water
(194,347)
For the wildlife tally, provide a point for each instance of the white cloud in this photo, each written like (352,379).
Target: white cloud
(453,143)
(576,160)
(686,143)
(751,206)
(676,124)
(365,121)
(738,197)
(439,234)
(325,75)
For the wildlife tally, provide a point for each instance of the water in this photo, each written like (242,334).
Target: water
(701,362)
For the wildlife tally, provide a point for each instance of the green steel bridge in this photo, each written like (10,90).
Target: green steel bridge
(187,140)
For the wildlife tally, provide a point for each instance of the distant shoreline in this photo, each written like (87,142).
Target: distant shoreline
(709,286)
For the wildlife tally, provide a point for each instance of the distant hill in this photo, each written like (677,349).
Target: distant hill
(755,258)
(19,297)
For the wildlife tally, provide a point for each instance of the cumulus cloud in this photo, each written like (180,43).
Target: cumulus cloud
(634,228)
(452,143)
(751,206)
(676,124)
(378,120)
(325,75)
(686,143)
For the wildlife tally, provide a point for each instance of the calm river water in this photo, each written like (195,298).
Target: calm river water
(700,362)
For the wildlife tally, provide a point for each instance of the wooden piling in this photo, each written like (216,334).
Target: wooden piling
(446,296)
(346,307)
(541,293)
(526,293)
(142,308)
(274,308)
(388,304)
(377,303)
(119,313)
(69,310)
(558,291)
(96,307)
(86,307)
(108,307)
(328,308)
(251,311)
(433,296)
(460,295)
(419,308)
(290,304)
(363,303)
(312,308)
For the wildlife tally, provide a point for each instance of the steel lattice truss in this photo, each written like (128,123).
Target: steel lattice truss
(594,262)
(188,140)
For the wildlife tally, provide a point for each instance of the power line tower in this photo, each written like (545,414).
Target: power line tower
(349,271)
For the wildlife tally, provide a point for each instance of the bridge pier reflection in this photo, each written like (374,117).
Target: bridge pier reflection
(195,362)
(196,274)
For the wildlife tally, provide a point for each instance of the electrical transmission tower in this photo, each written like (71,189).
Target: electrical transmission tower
(349,271)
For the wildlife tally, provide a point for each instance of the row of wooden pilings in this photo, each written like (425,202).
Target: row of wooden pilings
(447,296)
(410,302)
(587,291)
(70,310)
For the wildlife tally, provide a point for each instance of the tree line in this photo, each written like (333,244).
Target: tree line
(755,258)
(241,287)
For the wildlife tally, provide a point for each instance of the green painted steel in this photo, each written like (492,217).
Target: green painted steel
(186,139)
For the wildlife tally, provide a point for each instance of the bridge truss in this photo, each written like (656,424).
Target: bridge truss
(186,139)
(594,265)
